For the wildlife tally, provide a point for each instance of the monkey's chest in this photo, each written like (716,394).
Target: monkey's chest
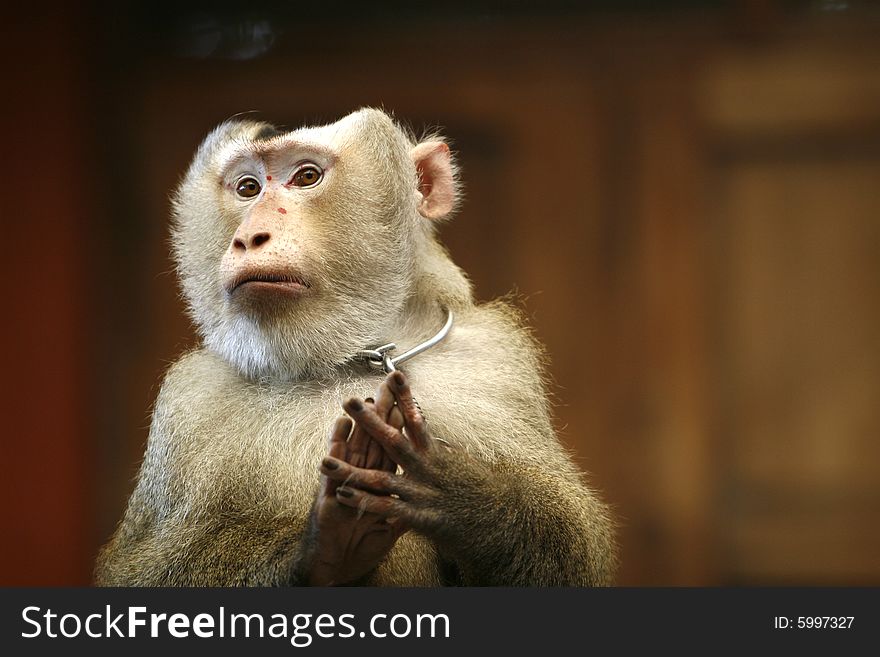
(260,450)
(266,458)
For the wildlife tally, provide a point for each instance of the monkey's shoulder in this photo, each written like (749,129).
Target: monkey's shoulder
(200,394)
(495,337)
(197,378)
(485,387)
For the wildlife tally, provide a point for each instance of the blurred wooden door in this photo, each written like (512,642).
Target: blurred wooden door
(795,212)
(738,417)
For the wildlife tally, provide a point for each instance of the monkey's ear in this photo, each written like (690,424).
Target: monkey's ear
(436,179)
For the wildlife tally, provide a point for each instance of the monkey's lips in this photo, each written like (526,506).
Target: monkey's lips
(261,283)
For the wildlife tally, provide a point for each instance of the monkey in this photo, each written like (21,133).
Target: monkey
(297,252)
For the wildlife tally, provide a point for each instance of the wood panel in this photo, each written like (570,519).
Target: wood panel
(803,370)
(796,209)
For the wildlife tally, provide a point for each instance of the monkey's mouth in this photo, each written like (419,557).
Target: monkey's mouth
(252,281)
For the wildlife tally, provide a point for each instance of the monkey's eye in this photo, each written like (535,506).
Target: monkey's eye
(248,187)
(307,175)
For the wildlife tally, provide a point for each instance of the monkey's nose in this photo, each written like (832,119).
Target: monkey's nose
(250,242)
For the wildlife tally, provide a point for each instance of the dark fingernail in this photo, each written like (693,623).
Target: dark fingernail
(399,379)
(344,492)
(330,464)
(355,404)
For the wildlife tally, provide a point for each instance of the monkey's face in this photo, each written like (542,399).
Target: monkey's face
(295,249)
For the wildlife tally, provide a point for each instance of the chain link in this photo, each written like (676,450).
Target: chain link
(380,358)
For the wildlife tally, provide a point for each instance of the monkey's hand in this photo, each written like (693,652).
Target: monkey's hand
(502,522)
(348,543)
(439,492)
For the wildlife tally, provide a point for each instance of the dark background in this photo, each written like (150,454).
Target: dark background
(685,194)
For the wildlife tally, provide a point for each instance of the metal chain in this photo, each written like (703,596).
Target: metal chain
(380,358)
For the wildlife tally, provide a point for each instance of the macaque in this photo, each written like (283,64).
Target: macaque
(296,252)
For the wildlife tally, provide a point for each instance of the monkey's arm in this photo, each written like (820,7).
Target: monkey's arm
(234,554)
(161,543)
(513,523)
(188,525)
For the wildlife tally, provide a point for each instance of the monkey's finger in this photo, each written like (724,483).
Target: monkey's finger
(396,445)
(381,505)
(388,464)
(375,481)
(385,506)
(359,443)
(338,437)
(386,408)
(373,461)
(375,453)
(384,400)
(412,415)
(377,459)
(395,419)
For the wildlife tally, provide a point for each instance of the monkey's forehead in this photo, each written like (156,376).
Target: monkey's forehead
(324,140)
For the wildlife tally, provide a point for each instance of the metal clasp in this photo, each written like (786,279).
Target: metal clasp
(380,357)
